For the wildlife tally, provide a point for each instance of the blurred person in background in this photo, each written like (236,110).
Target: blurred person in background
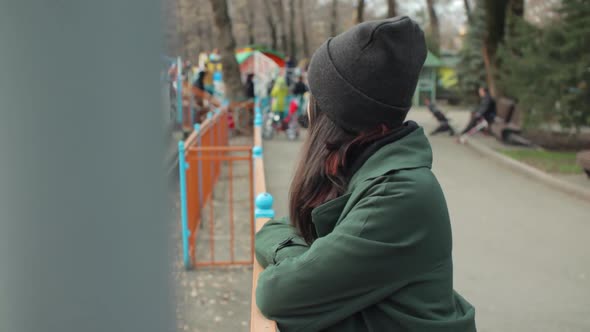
(200,81)
(249,86)
(443,121)
(485,111)
(279,94)
(299,91)
(290,64)
(300,88)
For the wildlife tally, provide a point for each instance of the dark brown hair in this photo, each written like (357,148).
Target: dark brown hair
(324,169)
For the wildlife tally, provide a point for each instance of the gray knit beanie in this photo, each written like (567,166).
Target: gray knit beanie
(367,75)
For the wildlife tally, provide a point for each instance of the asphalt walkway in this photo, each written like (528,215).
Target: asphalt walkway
(521,249)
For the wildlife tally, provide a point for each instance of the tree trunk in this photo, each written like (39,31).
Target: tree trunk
(334,23)
(283,25)
(181,33)
(490,69)
(391,8)
(234,89)
(495,22)
(303,29)
(272,28)
(496,11)
(360,11)
(434,25)
(292,41)
(209,33)
(517,7)
(468,11)
(251,20)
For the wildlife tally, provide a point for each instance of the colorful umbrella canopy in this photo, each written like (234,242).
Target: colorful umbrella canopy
(244,53)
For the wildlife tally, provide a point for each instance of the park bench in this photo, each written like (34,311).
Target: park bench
(507,121)
(583,159)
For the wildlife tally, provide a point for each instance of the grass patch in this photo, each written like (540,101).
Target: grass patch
(548,161)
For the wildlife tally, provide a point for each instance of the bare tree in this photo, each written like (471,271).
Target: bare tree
(272,28)
(360,11)
(250,19)
(282,23)
(517,7)
(171,27)
(434,25)
(468,11)
(181,29)
(496,13)
(303,29)
(292,41)
(391,8)
(209,32)
(231,69)
(335,18)
(190,34)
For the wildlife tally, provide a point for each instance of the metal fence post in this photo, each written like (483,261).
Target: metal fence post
(257,152)
(197,128)
(264,206)
(179,109)
(192,109)
(256,157)
(182,167)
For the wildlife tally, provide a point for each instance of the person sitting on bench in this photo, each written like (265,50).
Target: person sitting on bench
(485,111)
(443,121)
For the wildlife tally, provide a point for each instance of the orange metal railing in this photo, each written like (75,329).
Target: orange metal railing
(207,149)
(204,152)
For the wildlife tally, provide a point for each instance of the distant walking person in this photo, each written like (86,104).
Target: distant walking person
(443,121)
(279,94)
(486,111)
(200,81)
(249,86)
(290,65)
(300,88)
(299,91)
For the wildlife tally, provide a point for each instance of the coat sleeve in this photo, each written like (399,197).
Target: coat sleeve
(276,241)
(331,281)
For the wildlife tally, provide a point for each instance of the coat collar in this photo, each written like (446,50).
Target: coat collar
(411,151)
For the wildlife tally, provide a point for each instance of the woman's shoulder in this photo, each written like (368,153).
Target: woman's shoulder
(415,183)
(404,207)
(410,195)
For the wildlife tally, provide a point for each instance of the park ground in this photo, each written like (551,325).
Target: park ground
(521,253)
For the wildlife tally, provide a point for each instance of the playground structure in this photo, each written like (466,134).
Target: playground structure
(189,105)
(428,80)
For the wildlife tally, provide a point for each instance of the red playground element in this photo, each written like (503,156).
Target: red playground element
(293,108)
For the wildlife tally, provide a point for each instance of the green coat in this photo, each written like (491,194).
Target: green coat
(382,261)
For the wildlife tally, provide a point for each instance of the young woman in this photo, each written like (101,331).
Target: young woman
(367,245)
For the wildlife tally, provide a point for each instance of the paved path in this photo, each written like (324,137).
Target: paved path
(521,249)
